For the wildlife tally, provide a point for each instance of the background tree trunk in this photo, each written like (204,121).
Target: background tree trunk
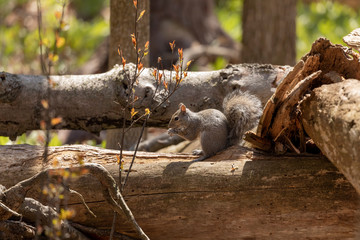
(269,32)
(122,24)
(237,194)
(190,24)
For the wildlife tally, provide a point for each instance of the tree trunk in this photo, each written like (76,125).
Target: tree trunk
(122,24)
(236,194)
(269,32)
(331,116)
(77,98)
(191,24)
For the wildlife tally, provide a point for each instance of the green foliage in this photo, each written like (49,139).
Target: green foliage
(55,141)
(19,43)
(220,63)
(32,139)
(229,14)
(4,140)
(323,19)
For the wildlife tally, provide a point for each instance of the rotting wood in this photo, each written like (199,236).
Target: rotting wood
(326,63)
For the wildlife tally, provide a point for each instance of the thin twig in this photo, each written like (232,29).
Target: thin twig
(9,210)
(83,201)
(134,155)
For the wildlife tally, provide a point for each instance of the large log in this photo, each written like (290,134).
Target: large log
(94,102)
(246,194)
(331,117)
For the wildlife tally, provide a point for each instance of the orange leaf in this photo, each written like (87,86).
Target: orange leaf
(118,159)
(53,58)
(57,14)
(122,164)
(176,68)
(45,103)
(165,85)
(123,61)
(172,45)
(133,112)
(160,76)
(60,42)
(154,73)
(188,63)
(140,66)
(141,15)
(55,121)
(133,39)
(146,45)
(180,51)
(135,3)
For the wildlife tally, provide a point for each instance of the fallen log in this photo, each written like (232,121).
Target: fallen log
(331,117)
(239,193)
(95,102)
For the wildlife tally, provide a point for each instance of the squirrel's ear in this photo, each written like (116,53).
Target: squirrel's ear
(182,107)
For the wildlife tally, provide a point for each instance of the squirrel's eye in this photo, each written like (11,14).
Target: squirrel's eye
(176,118)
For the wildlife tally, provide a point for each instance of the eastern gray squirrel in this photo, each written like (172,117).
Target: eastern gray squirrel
(218,130)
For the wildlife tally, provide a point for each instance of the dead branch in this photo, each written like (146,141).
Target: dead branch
(14,197)
(16,230)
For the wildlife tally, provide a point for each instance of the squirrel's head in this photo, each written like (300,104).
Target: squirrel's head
(179,118)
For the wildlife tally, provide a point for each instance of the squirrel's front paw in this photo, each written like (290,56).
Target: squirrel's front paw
(197,152)
(172,131)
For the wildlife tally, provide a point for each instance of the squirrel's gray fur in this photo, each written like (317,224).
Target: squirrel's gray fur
(218,130)
(243,112)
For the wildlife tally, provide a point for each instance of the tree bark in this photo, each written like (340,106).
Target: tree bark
(249,193)
(331,117)
(269,32)
(122,25)
(93,102)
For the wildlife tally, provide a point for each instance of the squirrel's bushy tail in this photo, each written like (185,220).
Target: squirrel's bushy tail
(243,112)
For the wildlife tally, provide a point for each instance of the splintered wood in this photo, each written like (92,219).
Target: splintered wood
(280,128)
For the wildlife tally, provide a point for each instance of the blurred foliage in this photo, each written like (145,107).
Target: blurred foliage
(19,43)
(33,138)
(38,138)
(323,19)
(229,13)
(329,19)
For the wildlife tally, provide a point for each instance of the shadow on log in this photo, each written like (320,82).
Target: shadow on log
(246,194)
